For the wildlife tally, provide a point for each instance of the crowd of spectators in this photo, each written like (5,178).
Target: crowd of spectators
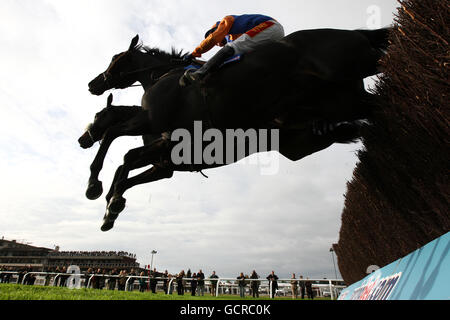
(9,272)
(145,280)
(92,254)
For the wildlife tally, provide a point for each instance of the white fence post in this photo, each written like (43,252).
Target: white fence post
(217,287)
(89,281)
(169,286)
(23,280)
(331,290)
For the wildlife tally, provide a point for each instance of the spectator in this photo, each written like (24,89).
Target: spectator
(7,277)
(31,278)
(165,281)
(255,284)
(188,275)
(201,283)
(131,279)
(302,287)
(21,274)
(153,281)
(142,284)
(87,276)
(122,280)
(214,283)
(309,290)
(113,279)
(2,275)
(241,283)
(180,283)
(63,277)
(194,282)
(95,279)
(294,287)
(47,276)
(272,277)
(102,279)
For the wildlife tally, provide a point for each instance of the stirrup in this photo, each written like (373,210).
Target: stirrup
(189,77)
(186,79)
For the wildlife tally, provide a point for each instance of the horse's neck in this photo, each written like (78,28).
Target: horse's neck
(145,78)
(125,112)
(145,81)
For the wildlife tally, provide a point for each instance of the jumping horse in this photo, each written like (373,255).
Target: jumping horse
(309,76)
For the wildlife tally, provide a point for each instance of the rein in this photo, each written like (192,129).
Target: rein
(172,62)
(107,75)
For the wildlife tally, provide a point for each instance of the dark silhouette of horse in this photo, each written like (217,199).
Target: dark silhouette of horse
(315,73)
(308,76)
(294,144)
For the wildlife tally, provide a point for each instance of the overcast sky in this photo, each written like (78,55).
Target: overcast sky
(235,221)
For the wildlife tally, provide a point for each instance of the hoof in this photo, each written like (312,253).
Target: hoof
(94,190)
(108,221)
(107,225)
(116,205)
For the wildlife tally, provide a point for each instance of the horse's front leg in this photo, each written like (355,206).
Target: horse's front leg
(134,127)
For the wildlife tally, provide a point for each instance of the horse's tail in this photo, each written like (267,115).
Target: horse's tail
(378,38)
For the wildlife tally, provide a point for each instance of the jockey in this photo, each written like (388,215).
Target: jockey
(236,35)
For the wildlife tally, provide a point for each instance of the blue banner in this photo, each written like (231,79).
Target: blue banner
(422,275)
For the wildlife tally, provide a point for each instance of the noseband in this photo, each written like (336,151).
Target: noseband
(107,76)
(88,130)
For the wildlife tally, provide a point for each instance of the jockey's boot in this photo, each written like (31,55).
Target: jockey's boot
(191,76)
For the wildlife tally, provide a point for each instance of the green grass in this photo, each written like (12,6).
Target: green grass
(23,292)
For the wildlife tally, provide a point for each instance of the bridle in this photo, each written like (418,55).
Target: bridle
(108,77)
(88,130)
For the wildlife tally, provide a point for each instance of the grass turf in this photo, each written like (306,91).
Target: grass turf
(25,292)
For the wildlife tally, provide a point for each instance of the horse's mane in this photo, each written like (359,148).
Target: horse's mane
(174,54)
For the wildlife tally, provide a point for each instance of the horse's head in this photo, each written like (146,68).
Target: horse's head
(132,65)
(119,73)
(102,121)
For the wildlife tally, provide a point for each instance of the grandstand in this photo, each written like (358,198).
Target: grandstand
(18,255)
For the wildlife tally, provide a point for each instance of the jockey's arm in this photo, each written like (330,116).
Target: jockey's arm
(214,38)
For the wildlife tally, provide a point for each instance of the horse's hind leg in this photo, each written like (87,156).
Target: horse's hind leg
(117,176)
(134,159)
(117,202)
(155,173)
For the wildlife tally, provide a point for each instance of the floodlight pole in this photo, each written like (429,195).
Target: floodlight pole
(151,263)
(334,264)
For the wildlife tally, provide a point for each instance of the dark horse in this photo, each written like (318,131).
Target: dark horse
(308,76)
(294,144)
